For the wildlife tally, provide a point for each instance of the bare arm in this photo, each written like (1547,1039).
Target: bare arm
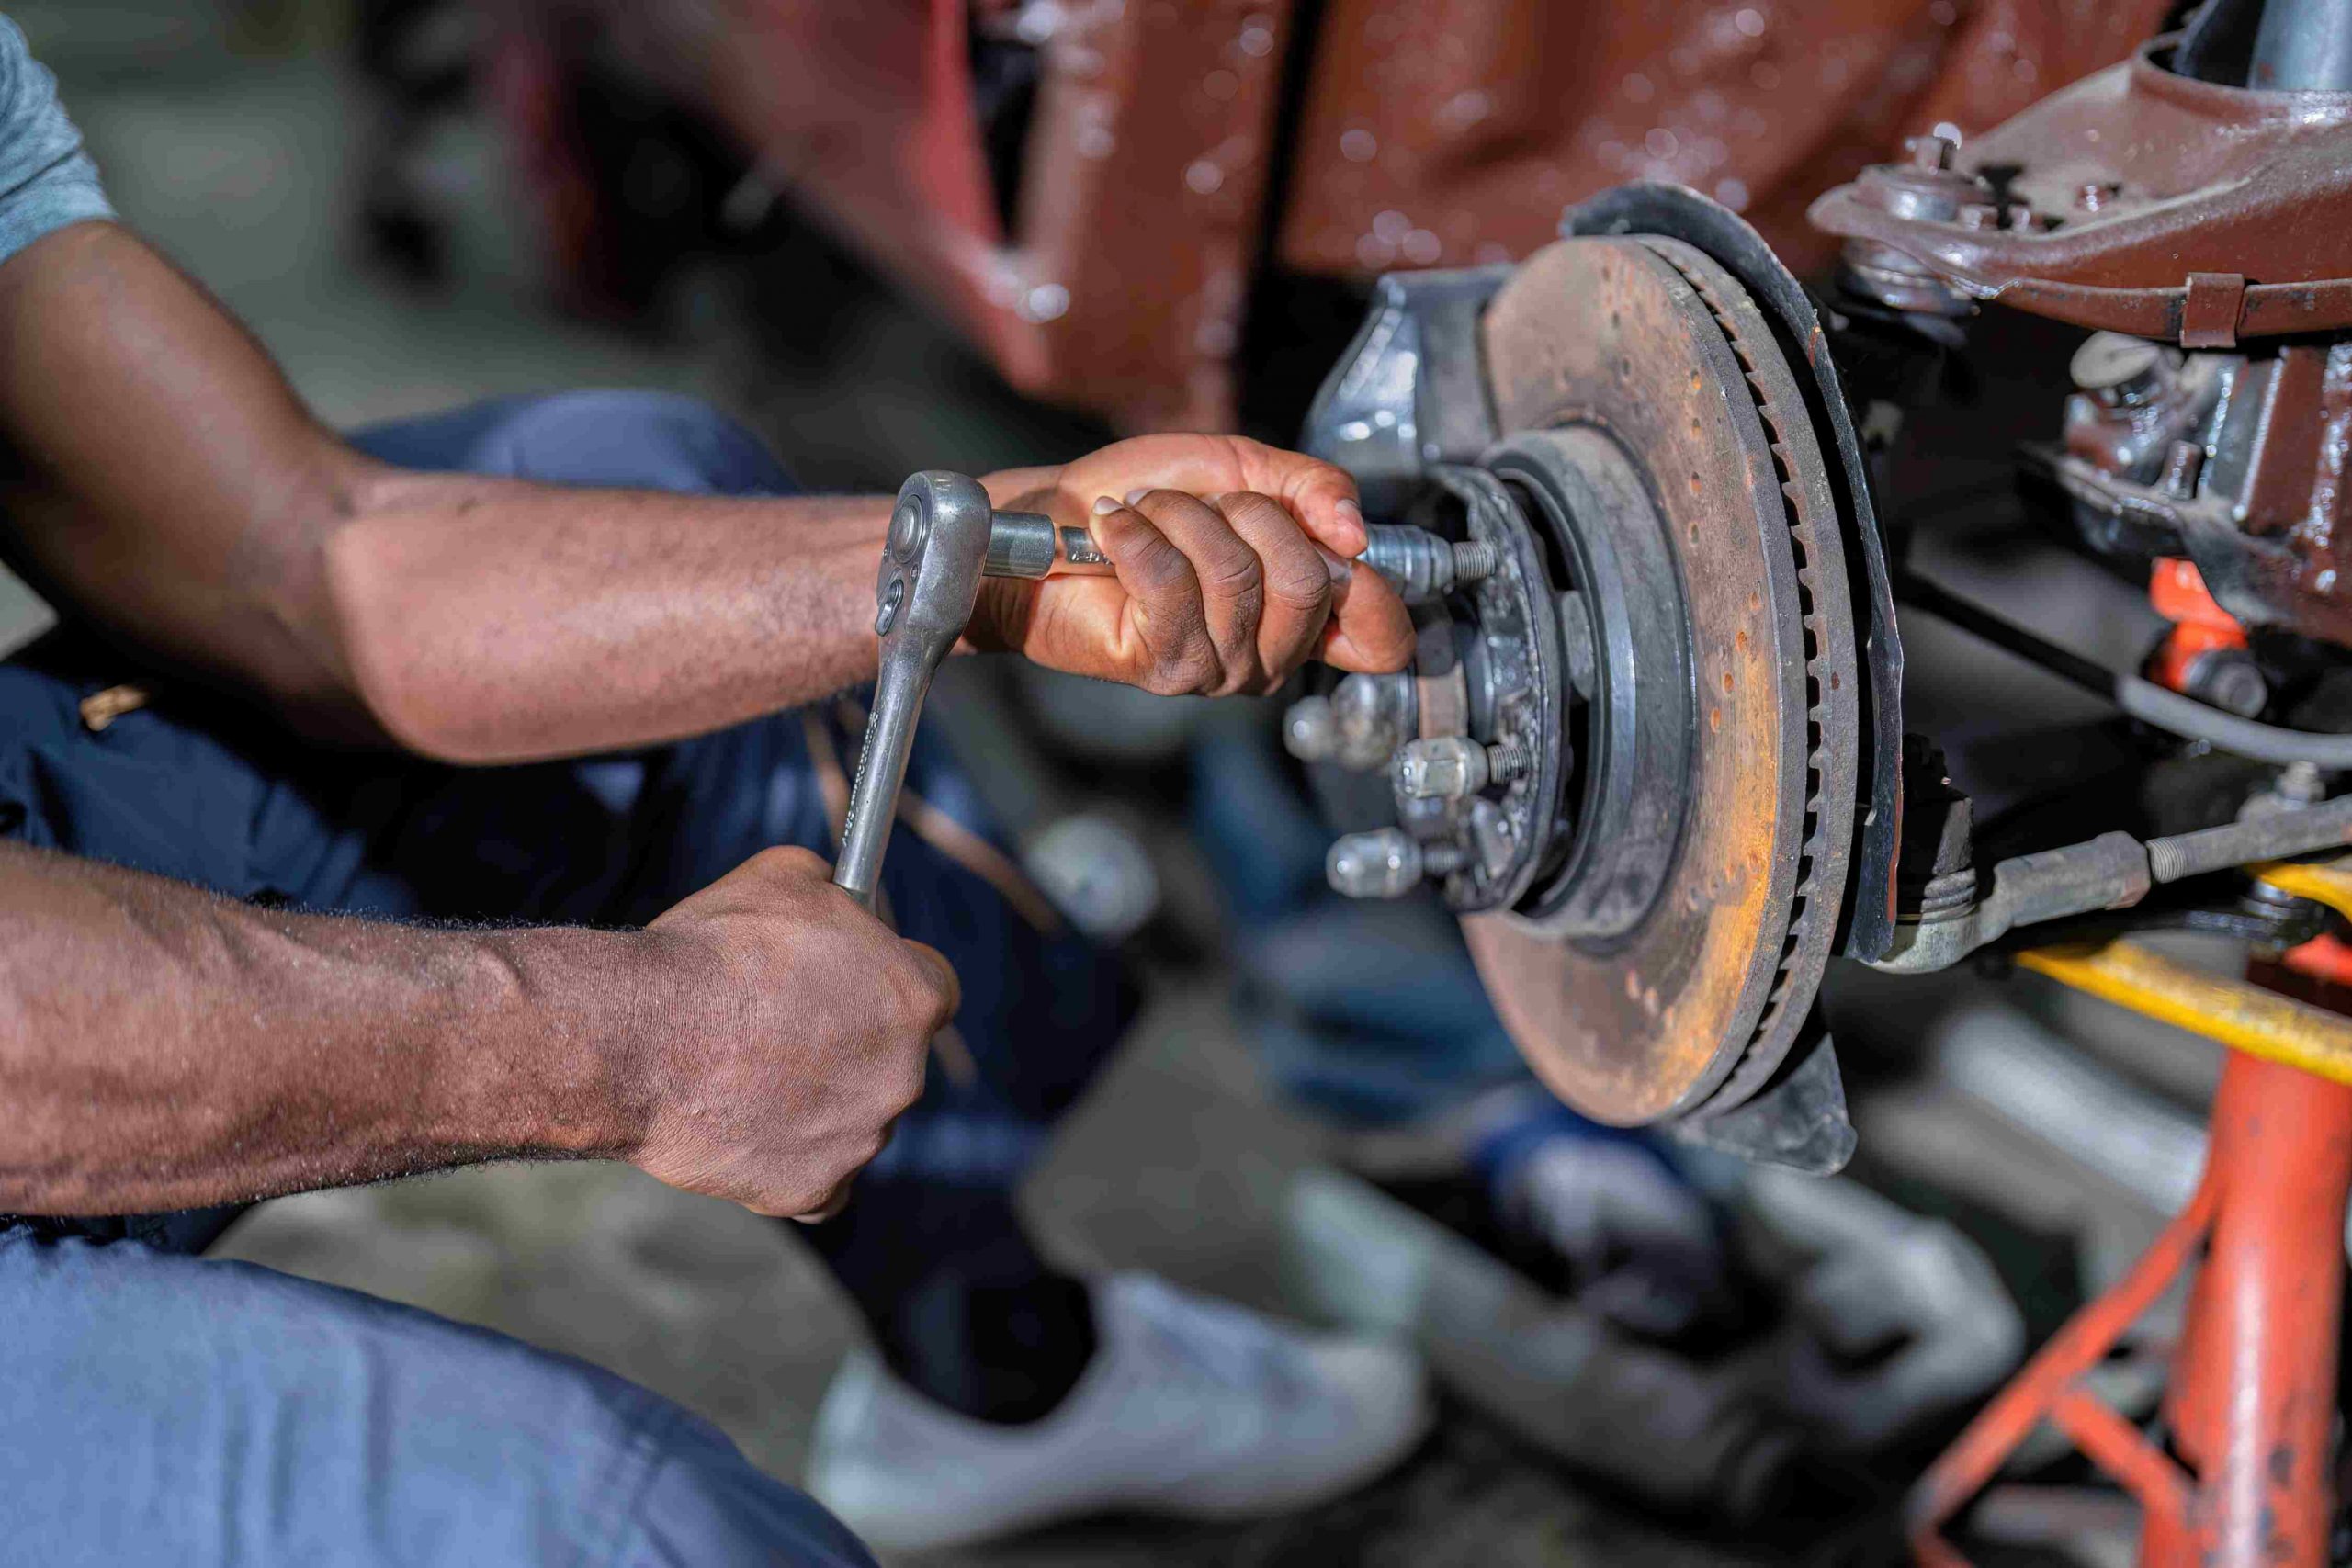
(163,1048)
(160,1047)
(175,488)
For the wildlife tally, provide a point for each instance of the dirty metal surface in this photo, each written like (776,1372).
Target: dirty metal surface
(1650,207)
(1658,347)
(1453,131)
(2144,202)
(2263,508)
(1120,283)
(1520,698)
(1429,134)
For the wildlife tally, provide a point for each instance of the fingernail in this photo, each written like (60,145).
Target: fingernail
(1136,495)
(1339,567)
(1104,506)
(1349,512)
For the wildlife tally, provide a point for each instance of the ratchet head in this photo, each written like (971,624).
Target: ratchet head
(931,565)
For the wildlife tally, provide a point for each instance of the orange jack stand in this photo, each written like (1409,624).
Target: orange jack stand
(2247,1477)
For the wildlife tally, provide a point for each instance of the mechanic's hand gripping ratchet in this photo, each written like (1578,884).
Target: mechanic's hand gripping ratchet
(943,538)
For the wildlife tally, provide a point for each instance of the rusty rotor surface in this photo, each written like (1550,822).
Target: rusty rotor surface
(1650,342)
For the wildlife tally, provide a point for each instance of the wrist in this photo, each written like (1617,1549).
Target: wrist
(557,1042)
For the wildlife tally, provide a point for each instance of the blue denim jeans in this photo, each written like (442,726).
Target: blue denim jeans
(223,1413)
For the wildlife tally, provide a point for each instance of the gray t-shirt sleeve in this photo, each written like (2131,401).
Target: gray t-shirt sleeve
(46,179)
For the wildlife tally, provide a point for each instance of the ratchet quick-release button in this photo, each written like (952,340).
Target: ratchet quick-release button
(908,526)
(887,616)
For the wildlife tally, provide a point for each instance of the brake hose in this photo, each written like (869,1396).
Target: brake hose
(2143,699)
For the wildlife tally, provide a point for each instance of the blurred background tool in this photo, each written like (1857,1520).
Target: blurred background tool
(2245,1473)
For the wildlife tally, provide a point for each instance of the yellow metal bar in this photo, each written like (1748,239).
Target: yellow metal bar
(2327,882)
(2241,1016)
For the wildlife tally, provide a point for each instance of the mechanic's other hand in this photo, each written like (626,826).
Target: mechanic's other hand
(1234,565)
(780,1030)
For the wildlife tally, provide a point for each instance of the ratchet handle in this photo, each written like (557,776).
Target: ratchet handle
(881,772)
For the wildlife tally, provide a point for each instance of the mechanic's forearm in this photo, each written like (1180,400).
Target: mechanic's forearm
(170,483)
(492,620)
(163,1048)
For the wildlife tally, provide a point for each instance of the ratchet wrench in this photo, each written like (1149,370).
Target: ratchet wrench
(943,538)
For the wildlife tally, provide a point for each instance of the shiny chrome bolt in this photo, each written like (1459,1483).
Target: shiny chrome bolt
(1311,729)
(1387,863)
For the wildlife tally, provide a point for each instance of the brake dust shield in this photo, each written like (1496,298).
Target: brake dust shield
(1651,345)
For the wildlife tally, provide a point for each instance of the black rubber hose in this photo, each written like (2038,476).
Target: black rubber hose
(2144,700)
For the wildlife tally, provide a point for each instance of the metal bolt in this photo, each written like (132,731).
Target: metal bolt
(1387,863)
(2119,370)
(1474,560)
(2183,462)
(2228,679)
(1311,729)
(1420,564)
(1931,152)
(2302,784)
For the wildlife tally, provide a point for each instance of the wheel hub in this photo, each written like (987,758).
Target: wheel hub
(1666,634)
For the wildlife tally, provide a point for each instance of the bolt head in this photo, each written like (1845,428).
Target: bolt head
(1931,152)
(2115,368)
(2229,679)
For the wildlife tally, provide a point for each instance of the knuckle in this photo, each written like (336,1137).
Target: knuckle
(1161,569)
(1298,581)
(1185,669)
(788,860)
(924,997)
(1235,571)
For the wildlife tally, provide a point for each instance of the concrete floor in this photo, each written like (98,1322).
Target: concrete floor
(227,134)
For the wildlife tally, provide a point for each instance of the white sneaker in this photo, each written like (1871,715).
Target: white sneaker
(1191,1407)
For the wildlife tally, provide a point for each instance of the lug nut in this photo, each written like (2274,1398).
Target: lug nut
(1387,863)
(1447,767)
(1444,768)
(1420,565)
(1372,715)
(1311,729)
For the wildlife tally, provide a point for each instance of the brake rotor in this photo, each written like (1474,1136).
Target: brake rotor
(1654,368)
